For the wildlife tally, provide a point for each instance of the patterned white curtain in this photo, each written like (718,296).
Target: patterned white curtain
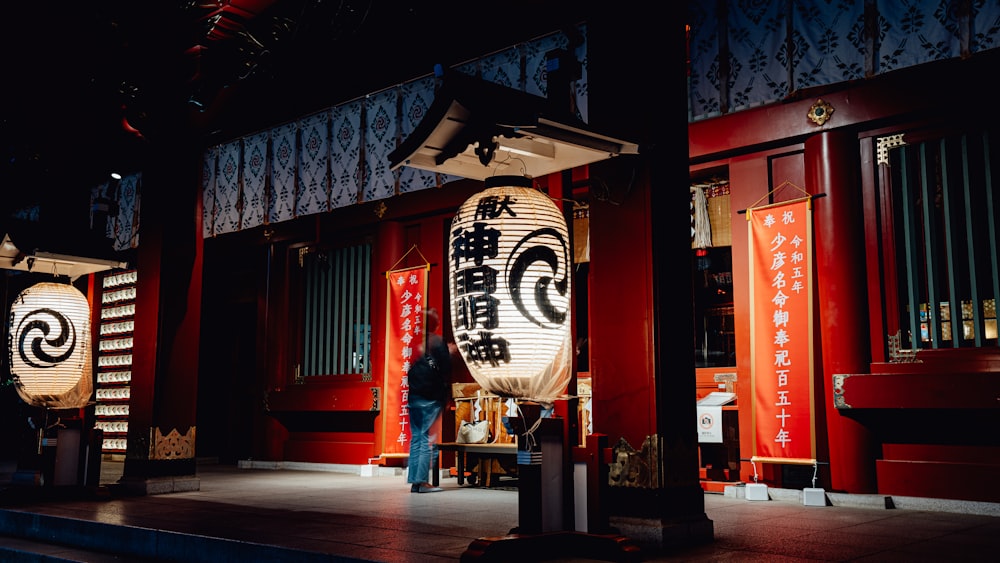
(503,68)
(758,63)
(127,221)
(773,49)
(345,155)
(227,188)
(985,25)
(915,32)
(101,191)
(313,195)
(281,206)
(704,94)
(470,68)
(416,99)
(254,202)
(208,192)
(828,37)
(380,139)
(582,109)
(121,227)
(534,63)
(314,164)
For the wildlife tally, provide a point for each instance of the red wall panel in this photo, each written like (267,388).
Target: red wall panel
(621,359)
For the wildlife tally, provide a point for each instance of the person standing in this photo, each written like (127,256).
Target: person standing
(429,379)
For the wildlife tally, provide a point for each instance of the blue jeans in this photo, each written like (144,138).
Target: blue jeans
(423,413)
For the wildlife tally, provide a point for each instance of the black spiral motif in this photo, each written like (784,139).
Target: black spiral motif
(39,320)
(542,286)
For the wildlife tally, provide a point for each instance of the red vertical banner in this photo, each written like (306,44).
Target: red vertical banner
(407,290)
(781,352)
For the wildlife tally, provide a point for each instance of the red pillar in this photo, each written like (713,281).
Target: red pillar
(160,455)
(641,313)
(831,165)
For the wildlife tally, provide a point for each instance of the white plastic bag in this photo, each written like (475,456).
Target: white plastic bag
(477,432)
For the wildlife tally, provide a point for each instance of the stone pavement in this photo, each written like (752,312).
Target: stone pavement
(301,514)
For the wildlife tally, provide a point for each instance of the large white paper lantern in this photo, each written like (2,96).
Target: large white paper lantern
(49,345)
(510,290)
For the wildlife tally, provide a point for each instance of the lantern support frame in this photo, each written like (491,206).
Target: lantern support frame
(12,258)
(476,129)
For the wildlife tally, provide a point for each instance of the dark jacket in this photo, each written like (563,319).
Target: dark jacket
(430,375)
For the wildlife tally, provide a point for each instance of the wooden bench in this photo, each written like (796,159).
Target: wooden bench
(488,450)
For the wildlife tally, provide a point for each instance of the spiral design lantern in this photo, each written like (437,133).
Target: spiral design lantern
(50,346)
(510,290)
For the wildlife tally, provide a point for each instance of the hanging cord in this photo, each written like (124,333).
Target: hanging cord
(754,465)
(815,471)
(782,185)
(524,167)
(407,253)
(529,434)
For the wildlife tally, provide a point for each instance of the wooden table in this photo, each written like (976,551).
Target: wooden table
(489,450)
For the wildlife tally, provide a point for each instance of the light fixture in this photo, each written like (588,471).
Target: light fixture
(477,129)
(49,346)
(510,290)
(116,176)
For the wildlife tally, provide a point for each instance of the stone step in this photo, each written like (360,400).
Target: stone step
(29,536)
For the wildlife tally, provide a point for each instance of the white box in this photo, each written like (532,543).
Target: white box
(368,470)
(757,491)
(813,497)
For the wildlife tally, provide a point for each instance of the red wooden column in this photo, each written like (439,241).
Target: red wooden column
(641,314)
(831,166)
(160,455)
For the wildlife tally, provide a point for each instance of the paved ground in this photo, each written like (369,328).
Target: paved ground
(308,515)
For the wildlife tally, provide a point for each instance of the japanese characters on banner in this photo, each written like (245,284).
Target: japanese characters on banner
(404,330)
(780,238)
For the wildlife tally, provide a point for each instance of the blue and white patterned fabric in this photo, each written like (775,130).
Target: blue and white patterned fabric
(227,188)
(311,172)
(470,68)
(313,195)
(829,37)
(914,31)
(503,68)
(828,45)
(254,199)
(758,65)
(345,154)
(380,139)
(985,26)
(101,191)
(208,192)
(281,206)
(582,109)
(703,43)
(122,228)
(127,222)
(416,99)
(535,73)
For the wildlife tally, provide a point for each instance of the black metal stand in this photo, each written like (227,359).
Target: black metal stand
(541,533)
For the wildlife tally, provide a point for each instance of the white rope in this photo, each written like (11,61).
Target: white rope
(702,223)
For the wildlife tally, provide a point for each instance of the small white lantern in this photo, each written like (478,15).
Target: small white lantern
(510,290)
(49,346)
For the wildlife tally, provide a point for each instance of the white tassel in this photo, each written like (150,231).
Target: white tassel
(702,225)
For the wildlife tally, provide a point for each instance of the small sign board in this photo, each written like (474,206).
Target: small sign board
(710,416)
